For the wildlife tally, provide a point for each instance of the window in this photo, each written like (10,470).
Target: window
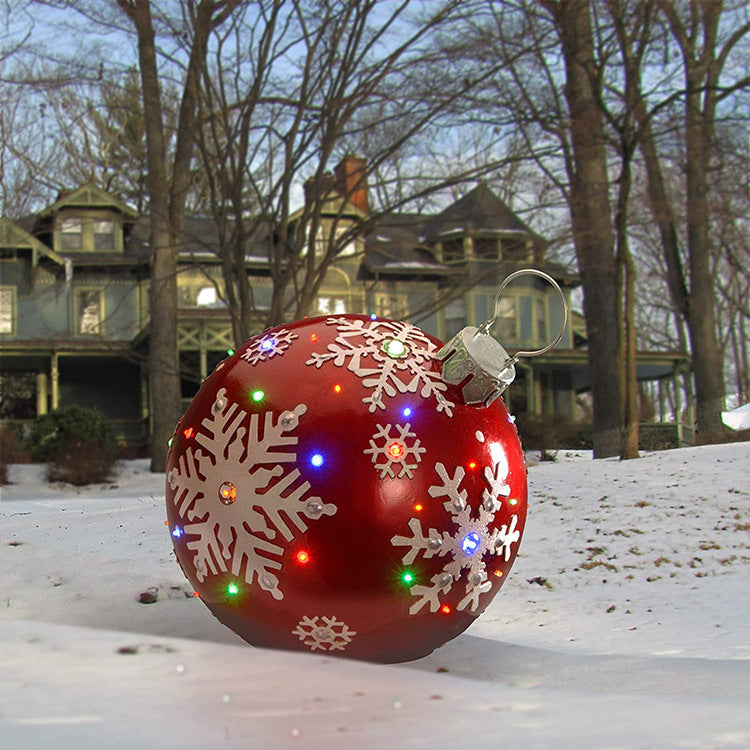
(541,320)
(200,287)
(7,253)
(349,246)
(453,250)
(485,248)
(89,311)
(515,250)
(7,309)
(104,235)
(72,234)
(455,317)
(328,305)
(391,306)
(505,324)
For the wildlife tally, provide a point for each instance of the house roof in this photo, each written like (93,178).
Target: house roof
(89,196)
(12,235)
(481,212)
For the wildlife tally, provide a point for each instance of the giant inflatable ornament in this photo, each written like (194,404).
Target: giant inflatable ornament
(349,485)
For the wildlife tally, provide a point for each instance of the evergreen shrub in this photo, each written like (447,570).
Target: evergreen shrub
(76,443)
(50,432)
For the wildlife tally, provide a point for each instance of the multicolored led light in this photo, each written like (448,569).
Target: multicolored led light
(396,450)
(227,493)
(395,348)
(470,543)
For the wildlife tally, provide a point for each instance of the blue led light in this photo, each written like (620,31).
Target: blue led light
(470,543)
(267,344)
(317,460)
(407,411)
(177,532)
(373,316)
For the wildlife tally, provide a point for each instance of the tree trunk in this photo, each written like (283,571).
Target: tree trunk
(707,364)
(592,222)
(164,365)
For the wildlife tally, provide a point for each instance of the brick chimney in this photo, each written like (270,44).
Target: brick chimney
(351,181)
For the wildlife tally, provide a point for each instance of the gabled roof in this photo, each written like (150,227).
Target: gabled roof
(480,211)
(89,196)
(14,236)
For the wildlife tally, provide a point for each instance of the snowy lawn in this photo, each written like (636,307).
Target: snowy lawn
(625,623)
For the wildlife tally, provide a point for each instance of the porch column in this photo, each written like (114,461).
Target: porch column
(41,393)
(203,352)
(55,375)
(530,401)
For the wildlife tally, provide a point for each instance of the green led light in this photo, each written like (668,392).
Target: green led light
(395,348)
(233,589)
(407,577)
(513,501)
(170,441)
(230,352)
(257,395)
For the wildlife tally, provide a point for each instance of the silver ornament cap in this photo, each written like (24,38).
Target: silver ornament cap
(476,354)
(479,361)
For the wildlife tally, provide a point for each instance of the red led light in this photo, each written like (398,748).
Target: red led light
(418,507)
(227,493)
(499,573)
(337,388)
(195,593)
(472,464)
(313,337)
(445,609)
(189,432)
(303,557)
(396,450)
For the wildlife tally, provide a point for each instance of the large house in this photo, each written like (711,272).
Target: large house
(74,282)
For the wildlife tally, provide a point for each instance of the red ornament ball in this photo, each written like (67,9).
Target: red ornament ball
(327,491)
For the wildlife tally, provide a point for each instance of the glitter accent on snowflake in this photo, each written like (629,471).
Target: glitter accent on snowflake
(331,635)
(361,343)
(267,346)
(468,545)
(238,463)
(395,451)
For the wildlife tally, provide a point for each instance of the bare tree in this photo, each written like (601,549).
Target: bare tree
(290,90)
(168,190)
(705,50)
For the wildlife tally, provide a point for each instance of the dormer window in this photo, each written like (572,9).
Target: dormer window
(104,235)
(453,250)
(71,232)
(515,250)
(485,248)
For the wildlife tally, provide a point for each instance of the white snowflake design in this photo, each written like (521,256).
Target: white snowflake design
(395,451)
(223,487)
(392,351)
(267,346)
(467,546)
(329,635)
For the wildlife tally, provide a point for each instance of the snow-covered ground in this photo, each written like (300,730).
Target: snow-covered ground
(625,623)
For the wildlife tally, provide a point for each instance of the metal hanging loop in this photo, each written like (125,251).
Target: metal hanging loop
(486,327)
